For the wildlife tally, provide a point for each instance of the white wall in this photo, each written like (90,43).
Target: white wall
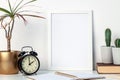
(106,13)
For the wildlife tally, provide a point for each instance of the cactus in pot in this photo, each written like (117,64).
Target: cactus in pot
(116,52)
(108,37)
(106,51)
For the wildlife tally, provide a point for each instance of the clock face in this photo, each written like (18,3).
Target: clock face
(30,64)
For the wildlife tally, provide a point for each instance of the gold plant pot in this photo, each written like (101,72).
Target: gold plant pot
(8,62)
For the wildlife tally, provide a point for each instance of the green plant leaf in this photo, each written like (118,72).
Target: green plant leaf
(17,9)
(23,11)
(4,10)
(33,16)
(17,5)
(10,6)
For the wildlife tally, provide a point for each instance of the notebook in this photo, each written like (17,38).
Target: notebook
(59,76)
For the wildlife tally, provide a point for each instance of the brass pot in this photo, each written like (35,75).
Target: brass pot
(8,62)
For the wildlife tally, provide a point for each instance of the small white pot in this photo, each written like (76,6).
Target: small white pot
(116,55)
(106,53)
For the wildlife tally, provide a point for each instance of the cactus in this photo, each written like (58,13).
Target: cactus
(108,37)
(117,42)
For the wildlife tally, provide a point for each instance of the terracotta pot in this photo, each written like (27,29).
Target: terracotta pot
(8,62)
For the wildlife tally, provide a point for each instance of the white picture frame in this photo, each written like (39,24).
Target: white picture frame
(68,48)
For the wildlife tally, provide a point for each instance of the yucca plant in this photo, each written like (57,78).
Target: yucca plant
(14,11)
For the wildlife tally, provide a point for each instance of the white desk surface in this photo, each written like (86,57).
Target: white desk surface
(49,75)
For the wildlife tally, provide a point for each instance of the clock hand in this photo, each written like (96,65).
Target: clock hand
(31,62)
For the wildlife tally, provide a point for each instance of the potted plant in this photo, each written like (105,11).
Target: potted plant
(8,58)
(116,52)
(106,51)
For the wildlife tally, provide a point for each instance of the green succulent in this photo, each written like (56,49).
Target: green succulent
(117,42)
(108,37)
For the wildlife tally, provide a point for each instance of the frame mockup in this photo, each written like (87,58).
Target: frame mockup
(70,40)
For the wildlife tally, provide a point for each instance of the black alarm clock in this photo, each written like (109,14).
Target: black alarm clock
(28,62)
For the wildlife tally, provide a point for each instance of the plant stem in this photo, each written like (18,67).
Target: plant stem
(8,33)
(8,45)
(9,36)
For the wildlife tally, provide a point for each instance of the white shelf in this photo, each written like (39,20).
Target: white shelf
(50,75)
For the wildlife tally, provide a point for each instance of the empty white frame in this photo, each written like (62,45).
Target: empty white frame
(71,41)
